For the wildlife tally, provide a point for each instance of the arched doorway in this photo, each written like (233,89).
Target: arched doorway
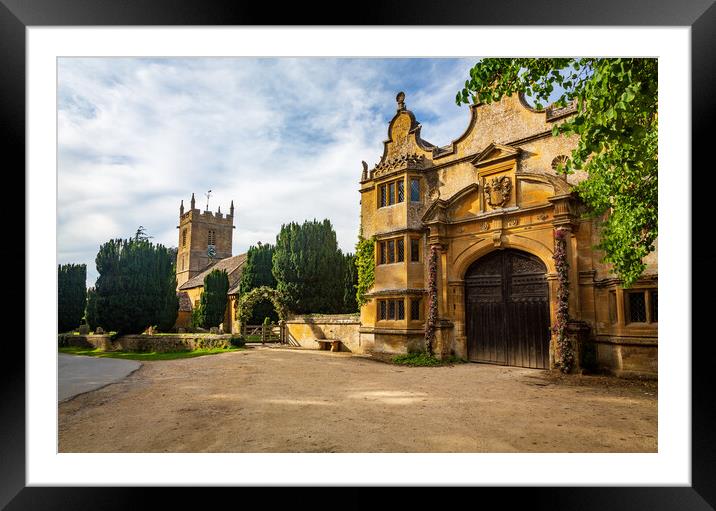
(507,310)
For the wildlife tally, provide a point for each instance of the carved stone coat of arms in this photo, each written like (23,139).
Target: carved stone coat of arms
(497,191)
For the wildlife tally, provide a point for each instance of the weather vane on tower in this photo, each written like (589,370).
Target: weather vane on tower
(208,194)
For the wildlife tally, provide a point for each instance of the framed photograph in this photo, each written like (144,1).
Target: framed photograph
(57,54)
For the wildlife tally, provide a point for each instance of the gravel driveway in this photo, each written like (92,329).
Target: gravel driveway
(290,400)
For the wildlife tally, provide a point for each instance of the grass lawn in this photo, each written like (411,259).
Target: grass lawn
(134,355)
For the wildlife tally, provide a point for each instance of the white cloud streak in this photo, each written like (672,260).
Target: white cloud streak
(283,138)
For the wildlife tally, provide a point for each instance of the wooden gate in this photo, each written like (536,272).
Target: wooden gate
(507,310)
(265,333)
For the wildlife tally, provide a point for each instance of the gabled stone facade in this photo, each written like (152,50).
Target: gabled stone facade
(495,188)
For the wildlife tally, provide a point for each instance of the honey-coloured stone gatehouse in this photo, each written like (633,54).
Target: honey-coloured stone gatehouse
(489,203)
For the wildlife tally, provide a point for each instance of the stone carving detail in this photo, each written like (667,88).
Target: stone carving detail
(400,99)
(555,112)
(512,222)
(485,226)
(497,191)
(364,174)
(542,216)
(408,161)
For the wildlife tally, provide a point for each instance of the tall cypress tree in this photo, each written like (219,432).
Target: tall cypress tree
(71,295)
(256,273)
(212,303)
(309,267)
(169,306)
(350,284)
(134,287)
(91,309)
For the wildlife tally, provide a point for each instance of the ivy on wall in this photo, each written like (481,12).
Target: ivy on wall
(564,353)
(432,299)
(365,263)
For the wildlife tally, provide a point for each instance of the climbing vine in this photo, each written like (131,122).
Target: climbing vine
(432,299)
(245,305)
(365,263)
(564,353)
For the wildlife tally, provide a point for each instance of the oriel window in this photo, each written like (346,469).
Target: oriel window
(414,190)
(391,193)
(415,309)
(414,250)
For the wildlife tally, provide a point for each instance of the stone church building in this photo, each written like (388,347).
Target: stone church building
(489,203)
(205,244)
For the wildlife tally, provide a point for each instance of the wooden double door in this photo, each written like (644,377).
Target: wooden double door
(507,310)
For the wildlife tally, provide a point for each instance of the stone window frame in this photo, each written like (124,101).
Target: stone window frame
(419,190)
(385,256)
(650,295)
(183,237)
(416,252)
(393,188)
(415,306)
(391,306)
(211,237)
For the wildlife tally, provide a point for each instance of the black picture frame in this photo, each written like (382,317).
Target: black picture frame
(700,15)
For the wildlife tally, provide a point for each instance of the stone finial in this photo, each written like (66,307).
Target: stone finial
(193,202)
(231,209)
(181,208)
(364,175)
(219,210)
(400,98)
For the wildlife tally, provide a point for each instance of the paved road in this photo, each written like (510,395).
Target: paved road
(77,374)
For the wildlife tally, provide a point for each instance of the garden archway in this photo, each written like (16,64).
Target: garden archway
(245,304)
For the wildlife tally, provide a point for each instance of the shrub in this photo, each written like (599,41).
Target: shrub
(237,341)
(425,360)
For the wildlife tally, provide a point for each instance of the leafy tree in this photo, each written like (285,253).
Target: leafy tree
(136,279)
(71,295)
(257,273)
(212,304)
(350,283)
(616,122)
(308,267)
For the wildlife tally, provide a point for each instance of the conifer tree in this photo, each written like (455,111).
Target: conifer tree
(134,287)
(257,273)
(212,303)
(91,309)
(309,267)
(350,283)
(71,295)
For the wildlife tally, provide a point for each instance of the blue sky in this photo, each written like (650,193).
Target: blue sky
(282,137)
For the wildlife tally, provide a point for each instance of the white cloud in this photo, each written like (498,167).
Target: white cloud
(283,138)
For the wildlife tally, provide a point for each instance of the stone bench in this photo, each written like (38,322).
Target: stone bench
(332,344)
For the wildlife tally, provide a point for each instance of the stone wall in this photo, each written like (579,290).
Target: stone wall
(147,343)
(304,330)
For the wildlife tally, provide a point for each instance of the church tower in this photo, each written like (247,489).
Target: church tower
(204,239)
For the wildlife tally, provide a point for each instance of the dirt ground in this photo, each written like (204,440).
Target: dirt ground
(289,400)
